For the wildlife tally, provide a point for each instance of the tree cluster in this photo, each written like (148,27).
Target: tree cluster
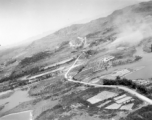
(37,57)
(128,83)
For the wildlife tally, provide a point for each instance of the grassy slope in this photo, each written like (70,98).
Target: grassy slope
(141,114)
(103,28)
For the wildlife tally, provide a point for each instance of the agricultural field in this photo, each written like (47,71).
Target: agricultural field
(94,103)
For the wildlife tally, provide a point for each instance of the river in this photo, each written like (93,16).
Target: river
(13,101)
(144,73)
(146,61)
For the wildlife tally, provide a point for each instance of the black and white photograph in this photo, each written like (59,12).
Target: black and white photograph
(75,59)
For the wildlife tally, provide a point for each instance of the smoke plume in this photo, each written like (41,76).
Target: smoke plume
(132,29)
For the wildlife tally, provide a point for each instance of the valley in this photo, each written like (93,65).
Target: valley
(98,70)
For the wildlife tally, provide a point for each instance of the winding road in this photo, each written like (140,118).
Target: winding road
(134,93)
(69,78)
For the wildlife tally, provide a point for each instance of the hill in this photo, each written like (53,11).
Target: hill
(130,26)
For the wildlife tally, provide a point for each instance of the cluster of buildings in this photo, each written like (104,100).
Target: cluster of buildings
(111,100)
(58,63)
(104,63)
(45,75)
(50,71)
(123,99)
(78,42)
(45,72)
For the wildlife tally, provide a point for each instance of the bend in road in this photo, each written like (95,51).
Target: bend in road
(135,93)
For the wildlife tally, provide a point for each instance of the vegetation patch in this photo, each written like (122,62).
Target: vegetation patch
(141,114)
(35,58)
(129,83)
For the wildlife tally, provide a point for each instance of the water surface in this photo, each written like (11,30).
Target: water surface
(14,100)
(27,115)
(144,73)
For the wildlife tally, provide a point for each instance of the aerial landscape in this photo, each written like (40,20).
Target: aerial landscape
(97,70)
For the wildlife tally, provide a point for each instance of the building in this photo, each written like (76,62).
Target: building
(59,63)
(107,58)
(44,75)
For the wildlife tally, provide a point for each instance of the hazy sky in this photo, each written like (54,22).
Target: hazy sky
(22,19)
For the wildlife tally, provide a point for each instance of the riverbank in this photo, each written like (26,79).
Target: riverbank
(6,94)
(25,115)
(17,98)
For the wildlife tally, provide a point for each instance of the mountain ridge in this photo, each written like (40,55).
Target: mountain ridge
(110,27)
